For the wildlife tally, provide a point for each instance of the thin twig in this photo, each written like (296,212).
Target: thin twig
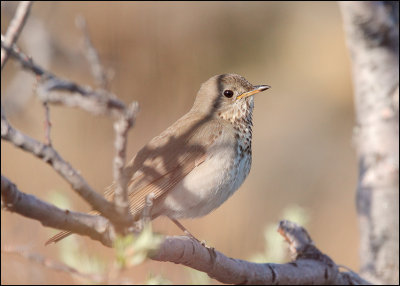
(51,264)
(97,102)
(47,124)
(15,28)
(51,156)
(121,128)
(92,55)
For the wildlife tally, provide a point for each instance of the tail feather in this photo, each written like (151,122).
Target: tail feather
(58,237)
(63,234)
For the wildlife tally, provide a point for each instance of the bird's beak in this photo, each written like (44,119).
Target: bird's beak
(257,89)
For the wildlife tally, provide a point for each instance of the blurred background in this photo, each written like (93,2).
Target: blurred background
(159,54)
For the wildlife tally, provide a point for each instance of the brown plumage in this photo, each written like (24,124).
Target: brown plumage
(199,161)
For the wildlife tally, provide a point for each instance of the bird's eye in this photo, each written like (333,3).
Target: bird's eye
(228,93)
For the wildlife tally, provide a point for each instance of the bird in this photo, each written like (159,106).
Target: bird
(198,162)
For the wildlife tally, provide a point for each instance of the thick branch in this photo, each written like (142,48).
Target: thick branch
(15,28)
(372,30)
(310,267)
(96,227)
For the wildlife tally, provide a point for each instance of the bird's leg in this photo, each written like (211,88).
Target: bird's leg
(145,218)
(178,224)
(211,250)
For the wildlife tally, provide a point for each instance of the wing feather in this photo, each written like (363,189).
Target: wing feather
(162,163)
(178,151)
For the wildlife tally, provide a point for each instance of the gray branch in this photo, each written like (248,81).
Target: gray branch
(372,30)
(121,179)
(96,227)
(15,28)
(51,157)
(310,267)
(97,102)
(70,93)
(92,55)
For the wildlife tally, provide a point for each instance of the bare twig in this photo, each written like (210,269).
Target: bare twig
(51,264)
(50,156)
(121,128)
(92,55)
(97,102)
(296,236)
(97,227)
(47,124)
(146,214)
(15,28)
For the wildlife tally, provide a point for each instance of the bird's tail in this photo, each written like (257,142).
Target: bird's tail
(58,237)
(63,234)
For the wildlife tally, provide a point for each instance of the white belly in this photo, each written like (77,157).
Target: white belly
(208,185)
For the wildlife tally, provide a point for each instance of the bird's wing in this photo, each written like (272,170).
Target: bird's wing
(161,164)
(164,161)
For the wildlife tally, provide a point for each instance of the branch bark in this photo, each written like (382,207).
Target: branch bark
(96,227)
(98,71)
(15,28)
(84,97)
(51,157)
(121,128)
(372,30)
(310,267)
(98,102)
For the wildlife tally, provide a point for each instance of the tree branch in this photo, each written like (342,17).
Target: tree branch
(310,266)
(15,28)
(121,179)
(51,157)
(96,227)
(47,124)
(96,102)
(92,55)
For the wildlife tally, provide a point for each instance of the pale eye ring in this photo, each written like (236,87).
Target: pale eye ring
(228,93)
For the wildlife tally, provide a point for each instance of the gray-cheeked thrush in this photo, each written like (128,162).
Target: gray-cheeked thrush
(198,162)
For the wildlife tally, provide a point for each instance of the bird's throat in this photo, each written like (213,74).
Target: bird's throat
(241,118)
